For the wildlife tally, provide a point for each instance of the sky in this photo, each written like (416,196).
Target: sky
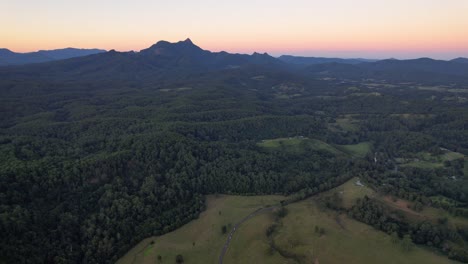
(331,28)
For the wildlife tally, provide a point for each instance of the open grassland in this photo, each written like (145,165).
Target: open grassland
(301,144)
(344,123)
(298,145)
(423,164)
(347,124)
(357,150)
(450,155)
(350,191)
(426,160)
(283,143)
(343,240)
(201,240)
(250,244)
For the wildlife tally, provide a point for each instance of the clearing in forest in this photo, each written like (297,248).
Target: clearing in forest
(340,239)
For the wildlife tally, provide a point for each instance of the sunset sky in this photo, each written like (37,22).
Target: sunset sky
(338,28)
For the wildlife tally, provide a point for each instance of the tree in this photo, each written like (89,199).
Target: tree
(179,259)
(322,231)
(223,229)
(282,212)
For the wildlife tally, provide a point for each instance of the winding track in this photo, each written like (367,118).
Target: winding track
(234,229)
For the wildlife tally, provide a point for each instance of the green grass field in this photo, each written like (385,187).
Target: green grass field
(344,123)
(278,143)
(450,155)
(344,241)
(347,124)
(350,191)
(428,161)
(201,240)
(297,145)
(357,150)
(250,244)
(423,164)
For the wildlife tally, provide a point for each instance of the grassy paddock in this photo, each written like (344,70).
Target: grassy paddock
(344,240)
(358,150)
(297,145)
(427,161)
(201,240)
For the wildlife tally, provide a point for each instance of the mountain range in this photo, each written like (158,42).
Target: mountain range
(161,60)
(8,57)
(170,60)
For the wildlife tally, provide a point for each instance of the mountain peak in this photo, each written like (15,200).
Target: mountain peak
(167,48)
(188,41)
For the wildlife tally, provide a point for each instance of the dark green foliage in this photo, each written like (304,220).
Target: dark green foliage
(179,259)
(270,230)
(282,212)
(371,212)
(459,254)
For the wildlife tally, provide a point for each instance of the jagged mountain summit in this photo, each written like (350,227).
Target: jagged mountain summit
(186,53)
(165,48)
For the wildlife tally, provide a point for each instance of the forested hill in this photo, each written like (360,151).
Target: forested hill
(99,152)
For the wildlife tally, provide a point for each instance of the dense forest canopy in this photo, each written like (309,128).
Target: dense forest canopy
(99,152)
